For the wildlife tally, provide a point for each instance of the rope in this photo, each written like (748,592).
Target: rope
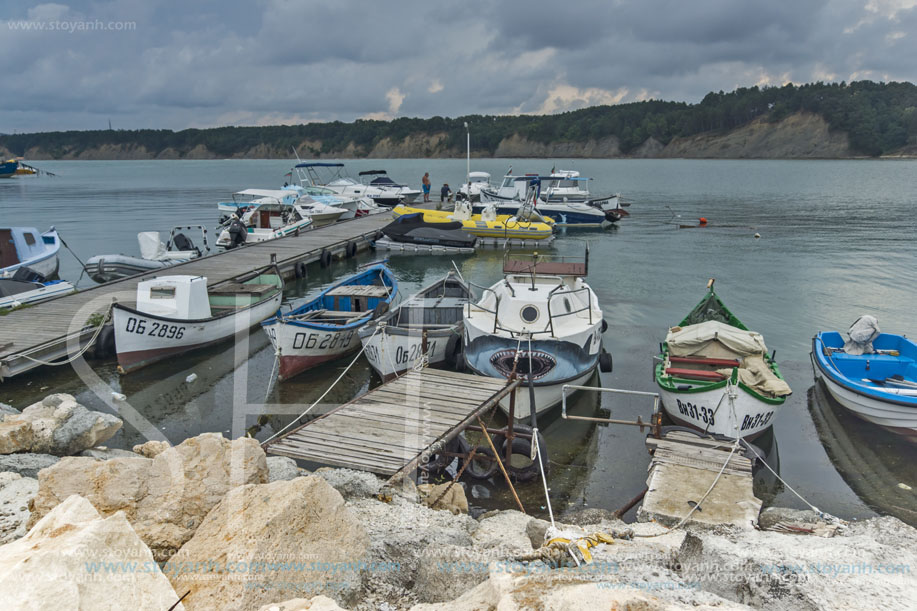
(270,380)
(703,498)
(536,451)
(324,394)
(80,353)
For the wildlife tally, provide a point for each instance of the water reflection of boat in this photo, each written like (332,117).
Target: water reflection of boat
(873,463)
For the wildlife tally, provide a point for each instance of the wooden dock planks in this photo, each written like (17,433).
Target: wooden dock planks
(41,331)
(386,429)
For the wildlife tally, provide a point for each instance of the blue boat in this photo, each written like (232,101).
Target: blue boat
(325,328)
(26,247)
(879,387)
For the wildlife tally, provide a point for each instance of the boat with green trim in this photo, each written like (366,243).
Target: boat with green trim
(716,376)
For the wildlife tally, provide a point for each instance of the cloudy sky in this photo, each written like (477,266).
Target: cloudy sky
(201,63)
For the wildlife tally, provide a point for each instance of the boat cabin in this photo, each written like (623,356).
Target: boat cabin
(180,297)
(19,244)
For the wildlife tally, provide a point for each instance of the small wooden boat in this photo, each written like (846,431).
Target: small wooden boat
(426,327)
(26,247)
(488,224)
(175,314)
(714,375)
(326,327)
(879,387)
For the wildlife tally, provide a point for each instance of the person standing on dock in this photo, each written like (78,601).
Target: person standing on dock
(426,186)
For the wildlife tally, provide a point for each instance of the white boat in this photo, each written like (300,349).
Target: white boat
(25,287)
(269,220)
(354,206)
(153,255)
(175,314)
(879,386)
(542,320)
(382,190)
(246,199)
(325,328)
(715,376)
(425,329)
(321,214)
(26,247)
(561,196)
(477,181)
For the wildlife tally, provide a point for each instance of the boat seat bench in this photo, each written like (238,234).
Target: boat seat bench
(704,360)
(695,374)
(236,287)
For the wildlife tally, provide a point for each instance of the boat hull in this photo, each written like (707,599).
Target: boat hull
(105,268)
(143,339)
(897,414)
(712,411)
(299,348)
(392,351)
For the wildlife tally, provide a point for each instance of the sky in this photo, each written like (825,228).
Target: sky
(170,64)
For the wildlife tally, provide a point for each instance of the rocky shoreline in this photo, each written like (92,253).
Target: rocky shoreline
(216,523)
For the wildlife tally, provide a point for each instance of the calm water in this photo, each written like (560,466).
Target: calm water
(836,242)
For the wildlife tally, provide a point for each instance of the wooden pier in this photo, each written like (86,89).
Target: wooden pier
(56,328)
(391,428)
(681,471)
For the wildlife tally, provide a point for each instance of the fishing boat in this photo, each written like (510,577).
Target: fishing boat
(714,375)
(268,220)
(425,329)
(382,190)
(541,321)
(879,386)
(527,225)
(325,328)
(25,287)
(414,230)
(26,247)
(153,255)
(568,206)
(471,190)
(14,167)
(175,314)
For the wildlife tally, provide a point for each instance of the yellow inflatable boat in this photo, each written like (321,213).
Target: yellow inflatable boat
(488,224)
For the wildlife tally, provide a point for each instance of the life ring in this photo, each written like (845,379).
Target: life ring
(521,467)
(605,363)
(105,342)
(351,249)
(484,463)
(324,259)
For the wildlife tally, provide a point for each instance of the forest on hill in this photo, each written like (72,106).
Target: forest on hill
(878,118)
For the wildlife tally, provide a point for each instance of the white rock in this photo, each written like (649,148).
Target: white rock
(15,493)
(281,468)
(56,425)
(54,566)
(316,603)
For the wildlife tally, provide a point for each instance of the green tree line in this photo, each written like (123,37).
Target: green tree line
(878,118)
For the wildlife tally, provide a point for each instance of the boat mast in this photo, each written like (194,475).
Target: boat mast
(467,154)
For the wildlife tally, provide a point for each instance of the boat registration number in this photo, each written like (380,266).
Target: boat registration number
(322,341)
(694,411)
(154,329)
(751,422)
(403,354)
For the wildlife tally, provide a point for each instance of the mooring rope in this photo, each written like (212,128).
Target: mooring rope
(78,354)
(324,394)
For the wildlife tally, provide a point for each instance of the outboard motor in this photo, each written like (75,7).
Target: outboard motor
(237,233)
(181,242)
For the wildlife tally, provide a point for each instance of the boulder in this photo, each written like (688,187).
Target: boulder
(270,541)
(316,603)
(281,468)
(152,448)
(103,453)
(165,498)
(27,464)
(8,409)
(15,493)
(56,425)
(350,483)
(75,559)
(448,571)
(444,496)
(505,532)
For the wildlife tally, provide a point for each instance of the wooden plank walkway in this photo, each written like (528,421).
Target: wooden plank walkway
(681,471)
(388,429)
(43,331)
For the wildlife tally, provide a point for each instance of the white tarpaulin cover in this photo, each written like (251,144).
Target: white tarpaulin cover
(695,340)
(861,333)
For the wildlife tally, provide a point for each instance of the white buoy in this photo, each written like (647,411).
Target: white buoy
(757,235)
(118,396)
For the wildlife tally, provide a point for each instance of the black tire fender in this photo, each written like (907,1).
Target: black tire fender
(483,465)
(523,447)
(351,249)
(453,349)
(605,362)
(324,259)
(105,343)
(604,325)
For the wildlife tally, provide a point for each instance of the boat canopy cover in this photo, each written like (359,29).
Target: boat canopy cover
(694,340)
(861,333)
(319,165)
(275,193)
(384,180)
(479,176)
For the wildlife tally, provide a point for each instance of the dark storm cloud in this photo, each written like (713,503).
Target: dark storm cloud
(208,62)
